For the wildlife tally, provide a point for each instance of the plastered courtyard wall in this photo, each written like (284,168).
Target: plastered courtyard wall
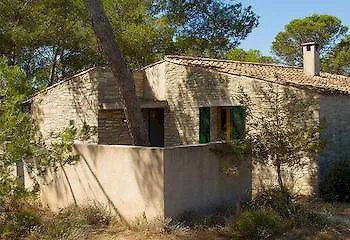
(143,181)
(195,180)
(127,179)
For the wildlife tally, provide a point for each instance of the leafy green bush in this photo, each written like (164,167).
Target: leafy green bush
(274,198)
(286,205)
(336,185)
(270,213)
(18,212)
(19,223)
(258,224)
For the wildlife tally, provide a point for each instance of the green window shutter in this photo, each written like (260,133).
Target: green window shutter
(204,125)
(237,122)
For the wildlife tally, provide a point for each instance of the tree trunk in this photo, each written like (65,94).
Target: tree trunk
(279,176)
(53,68)
(120,70)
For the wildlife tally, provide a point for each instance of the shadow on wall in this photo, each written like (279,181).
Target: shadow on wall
(84,96)
(149,174)
(146,166)
(72,99)
(196,87)
(138,181)
(301,180)
(335,112)
(127,179)
(99,184)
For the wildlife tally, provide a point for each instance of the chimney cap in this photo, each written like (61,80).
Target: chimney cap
(309,44)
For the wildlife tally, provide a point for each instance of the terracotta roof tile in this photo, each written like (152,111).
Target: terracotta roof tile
(287,75)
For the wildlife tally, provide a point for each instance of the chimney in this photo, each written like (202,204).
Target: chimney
(311,58)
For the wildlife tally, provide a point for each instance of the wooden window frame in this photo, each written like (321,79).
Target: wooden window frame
(227,135)
(208,128)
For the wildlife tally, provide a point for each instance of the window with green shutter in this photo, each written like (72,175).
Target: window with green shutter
(237,122)
(204,125)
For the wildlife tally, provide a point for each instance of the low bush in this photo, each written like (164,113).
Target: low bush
(275,199)
(18,211)
(72,223)
(270,213)
(336,185)
(18,223)
(67,224)
(286,205)
(96,214)
(258,224)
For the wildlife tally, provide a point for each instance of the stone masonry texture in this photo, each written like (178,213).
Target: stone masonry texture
(185,89)
(74,99)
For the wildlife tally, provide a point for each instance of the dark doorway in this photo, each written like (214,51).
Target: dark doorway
(156,127)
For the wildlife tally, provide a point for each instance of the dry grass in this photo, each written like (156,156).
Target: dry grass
(161,230)
(94,222)
(326,207)
(339,233)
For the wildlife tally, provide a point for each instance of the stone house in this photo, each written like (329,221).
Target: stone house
(187,100)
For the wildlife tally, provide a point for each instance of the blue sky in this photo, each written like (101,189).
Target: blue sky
(275,14)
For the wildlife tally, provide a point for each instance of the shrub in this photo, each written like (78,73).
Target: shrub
(16,224)
(96,214)
(336,185)
(275,199)
(258,224)
(72,222)
(18,211)
(286,205)
(67,224)
(270,213)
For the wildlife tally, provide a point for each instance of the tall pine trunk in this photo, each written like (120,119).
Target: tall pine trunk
(53,68)
(279,176)
(121,72)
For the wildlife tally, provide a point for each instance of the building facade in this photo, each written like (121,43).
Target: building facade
(189,100)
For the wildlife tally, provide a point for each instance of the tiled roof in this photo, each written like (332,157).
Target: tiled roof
(285,75)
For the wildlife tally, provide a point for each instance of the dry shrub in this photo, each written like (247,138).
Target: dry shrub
(72,222)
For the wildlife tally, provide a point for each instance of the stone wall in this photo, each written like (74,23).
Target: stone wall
(112,125)
(189,88)
(113,128)
(154,84)
(82,99)
(335,114)
(108,88)
(73,99)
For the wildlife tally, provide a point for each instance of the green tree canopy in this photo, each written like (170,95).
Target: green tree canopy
(48,39)
(52,39)
(326,30)
(338,59)
(15,126)
(206,28)
(251,55)
(143,37)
